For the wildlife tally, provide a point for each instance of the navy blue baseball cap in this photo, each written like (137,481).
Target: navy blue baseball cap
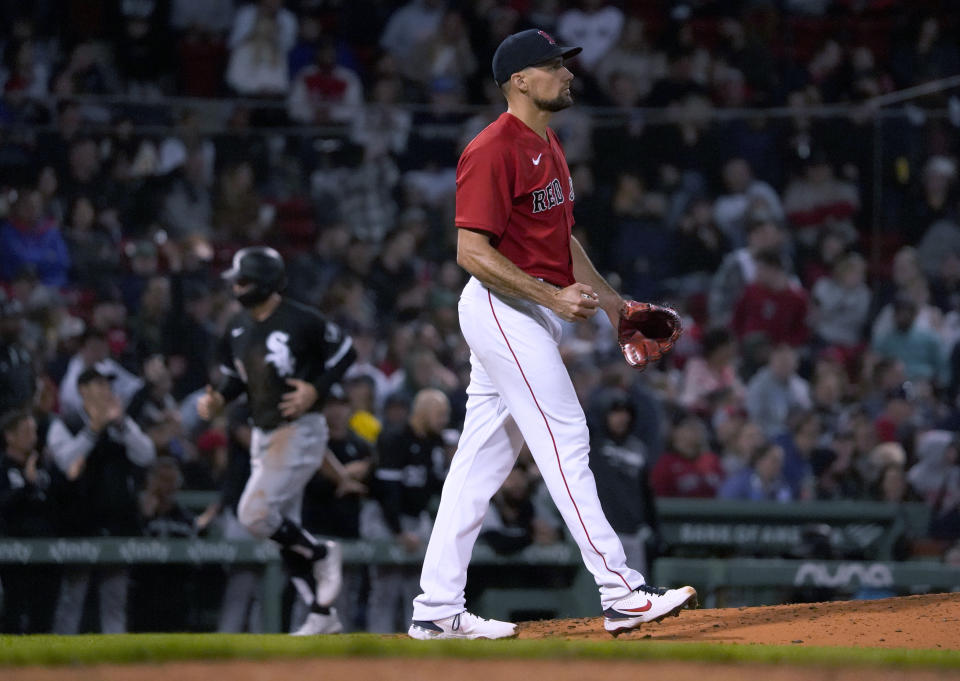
(527,48)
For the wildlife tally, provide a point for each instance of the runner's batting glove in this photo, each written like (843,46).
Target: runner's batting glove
(646,332)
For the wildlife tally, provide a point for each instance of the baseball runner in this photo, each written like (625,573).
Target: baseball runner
(286,356)
(515,214)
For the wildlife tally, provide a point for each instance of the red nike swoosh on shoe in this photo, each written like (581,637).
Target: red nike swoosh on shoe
(641,609)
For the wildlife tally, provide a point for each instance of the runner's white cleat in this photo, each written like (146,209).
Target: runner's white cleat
(316,624)
(647,604)
(461,625)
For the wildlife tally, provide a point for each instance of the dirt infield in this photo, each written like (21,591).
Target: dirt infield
(466,670)
(915,622)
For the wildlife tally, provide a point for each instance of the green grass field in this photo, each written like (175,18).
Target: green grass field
(155,648)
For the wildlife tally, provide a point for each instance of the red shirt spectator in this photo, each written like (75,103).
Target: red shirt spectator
(687,469)
(772,305)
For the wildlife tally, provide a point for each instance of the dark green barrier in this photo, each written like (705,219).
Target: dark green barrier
(779,578)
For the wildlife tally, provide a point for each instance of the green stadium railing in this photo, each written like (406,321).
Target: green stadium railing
(756,541)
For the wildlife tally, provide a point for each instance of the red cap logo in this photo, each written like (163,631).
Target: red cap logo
(548,37)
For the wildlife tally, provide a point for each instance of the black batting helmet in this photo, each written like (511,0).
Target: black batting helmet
(262,269)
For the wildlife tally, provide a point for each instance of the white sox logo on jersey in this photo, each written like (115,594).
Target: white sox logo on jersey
(279,353)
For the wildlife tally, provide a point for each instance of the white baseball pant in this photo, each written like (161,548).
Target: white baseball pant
(282,461)
(519,391)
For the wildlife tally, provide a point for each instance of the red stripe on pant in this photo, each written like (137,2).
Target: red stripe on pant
(553,440)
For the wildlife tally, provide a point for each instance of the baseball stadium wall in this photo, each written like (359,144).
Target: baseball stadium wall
(734,553)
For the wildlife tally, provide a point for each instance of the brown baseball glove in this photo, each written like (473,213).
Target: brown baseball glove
(647,332)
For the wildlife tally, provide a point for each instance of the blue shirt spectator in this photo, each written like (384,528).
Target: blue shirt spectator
(762,480)
(28,241)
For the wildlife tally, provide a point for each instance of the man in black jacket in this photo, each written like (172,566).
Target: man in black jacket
(620,463)
(100,454)
(411,463)
(17,378)
(29,591)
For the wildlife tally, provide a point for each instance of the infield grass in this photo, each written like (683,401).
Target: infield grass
(157,648)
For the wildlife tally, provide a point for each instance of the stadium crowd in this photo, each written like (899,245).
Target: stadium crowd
(143,142)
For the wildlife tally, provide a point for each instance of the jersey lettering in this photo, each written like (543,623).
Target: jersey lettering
(548,197)
(279,353)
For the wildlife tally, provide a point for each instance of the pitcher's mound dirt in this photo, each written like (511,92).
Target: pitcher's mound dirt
(928,621)
(914,622)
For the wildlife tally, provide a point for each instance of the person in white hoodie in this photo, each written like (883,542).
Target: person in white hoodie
(936,478)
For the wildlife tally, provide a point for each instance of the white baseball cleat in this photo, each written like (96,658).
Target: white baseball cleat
(647,604)
(461,625)
(328,573)
(320,624)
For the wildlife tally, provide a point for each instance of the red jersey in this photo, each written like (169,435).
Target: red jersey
(782,314)
(516,186)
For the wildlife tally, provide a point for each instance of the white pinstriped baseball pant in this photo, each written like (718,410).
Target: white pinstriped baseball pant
(519,391)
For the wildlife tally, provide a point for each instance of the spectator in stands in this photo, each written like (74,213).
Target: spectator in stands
(633,56)
(834,469)
(258,61)
(393,272)
(27,240)
(739,268)
(410,467)
(382,126)
(919,349)
(94,254)
(154,605)
(799,443)
(937,199)
(745,197)
(187,207)
(737,437)
(928,54)
(100,451)
(142,47)
(18,381)
(711,379)
(212,16)
(761,480)
(445,54)
(699,248)
(828,395)
(895,423)
(189,338)
(774,305)
(326,92)
(153,308)
(817,199)
(284,27)
(83,73)
(156,411)
(840,304)
(776,390)
(511,523)
(621,464)
(239,215)
(936,479)
(329,512)
(94,353)
(411,26)
(687,468)
(594,25)
(29,591)
(938,252)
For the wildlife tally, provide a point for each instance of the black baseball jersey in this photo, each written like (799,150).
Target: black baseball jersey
(409,471)
(295,341)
